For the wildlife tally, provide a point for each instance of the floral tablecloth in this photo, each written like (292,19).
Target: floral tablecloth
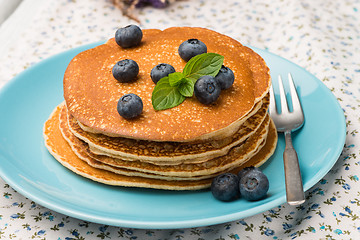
(321,36)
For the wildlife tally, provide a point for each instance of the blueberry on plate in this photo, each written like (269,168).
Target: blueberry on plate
(161,70)
(254,185)
(225,77)
(225,187)
(207,89)
(129,36)
(245,170)
(130,106)
(125,70)
(191,48)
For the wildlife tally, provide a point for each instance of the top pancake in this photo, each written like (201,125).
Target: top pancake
(91,92)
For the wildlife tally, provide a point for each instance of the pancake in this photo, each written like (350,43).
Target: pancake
(181,148)
(236,156)
(218,141)
(168,152)
(62,151)
(91,93)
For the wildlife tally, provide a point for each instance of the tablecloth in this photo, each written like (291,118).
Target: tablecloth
(321,36)
(7,8)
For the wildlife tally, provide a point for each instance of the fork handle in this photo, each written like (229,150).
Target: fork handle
(294,186)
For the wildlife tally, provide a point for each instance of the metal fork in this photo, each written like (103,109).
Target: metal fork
(288,122)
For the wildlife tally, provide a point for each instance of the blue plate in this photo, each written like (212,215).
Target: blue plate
(27,101)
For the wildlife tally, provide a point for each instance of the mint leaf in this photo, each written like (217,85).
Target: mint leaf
(165,96)
(175,78)
(203,64)
(172,90)
(186,87)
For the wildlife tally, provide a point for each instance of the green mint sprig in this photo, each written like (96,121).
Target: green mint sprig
(172,90)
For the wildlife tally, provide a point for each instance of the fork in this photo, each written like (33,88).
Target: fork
(287,122)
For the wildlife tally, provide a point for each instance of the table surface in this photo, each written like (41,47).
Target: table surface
(321,36)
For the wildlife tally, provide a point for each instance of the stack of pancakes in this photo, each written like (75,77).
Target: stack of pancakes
(182,148)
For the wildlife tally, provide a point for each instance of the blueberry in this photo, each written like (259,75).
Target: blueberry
(125,70)
(130,106)
(245,170)
(207,89)
(191,48)
(254,185)
(225,187)
(225,77)
(161,70)
(129,36)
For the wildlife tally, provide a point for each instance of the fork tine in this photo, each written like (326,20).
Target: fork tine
(294,96)
(283,101)
(272,106)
